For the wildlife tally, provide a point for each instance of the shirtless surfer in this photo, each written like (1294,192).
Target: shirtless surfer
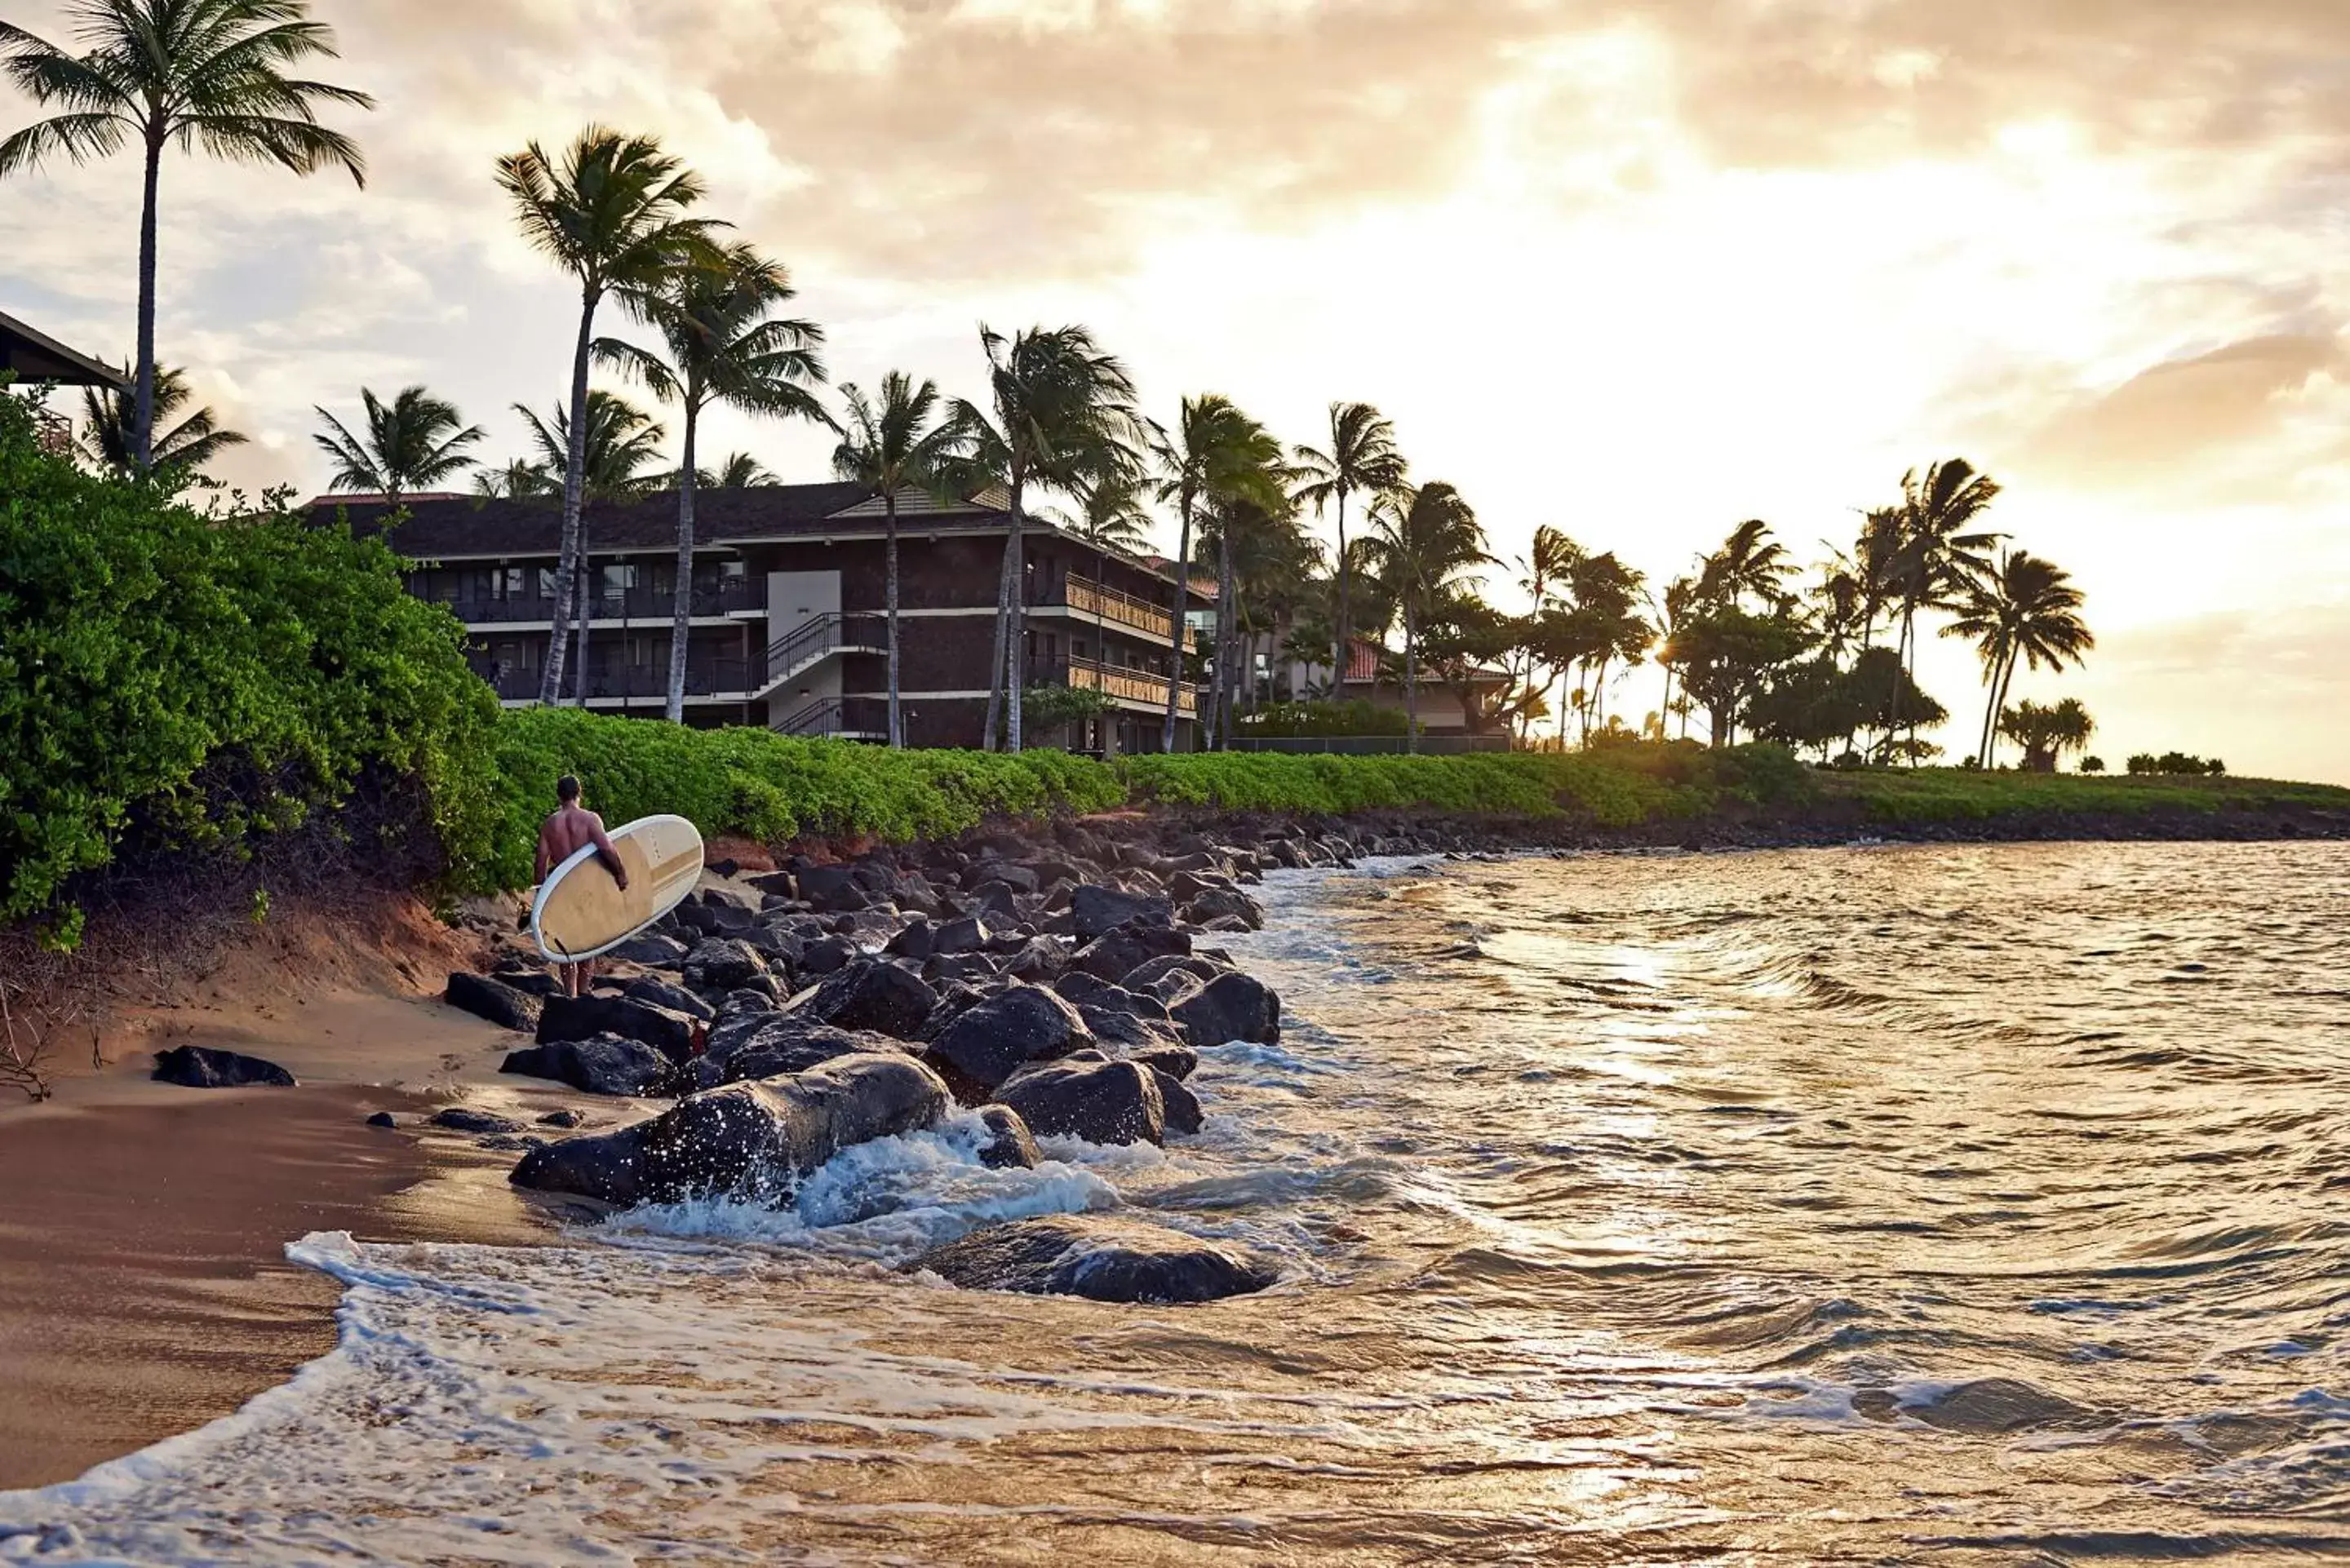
(560,837)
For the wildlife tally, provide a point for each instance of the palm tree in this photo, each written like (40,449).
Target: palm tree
(621,444)
(110,422)
(197,72)
(1749,562)
(620,457)
(2026,609)
(412,442)
(612,215)
(725,345)
(1059,409)
(1361,460)
(1424,537)
(888,447)
(1935,556)
(1112,512)
(740,470)
(1214,452)
(519,480)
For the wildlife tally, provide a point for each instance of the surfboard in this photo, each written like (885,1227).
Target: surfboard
(581,911)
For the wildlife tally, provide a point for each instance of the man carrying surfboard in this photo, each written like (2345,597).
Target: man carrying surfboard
(569,829)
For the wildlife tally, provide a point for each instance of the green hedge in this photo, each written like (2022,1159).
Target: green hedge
(1896,795)
(755,785)
(1619,786)
(204,679)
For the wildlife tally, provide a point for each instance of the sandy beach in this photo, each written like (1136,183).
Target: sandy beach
(144,1289)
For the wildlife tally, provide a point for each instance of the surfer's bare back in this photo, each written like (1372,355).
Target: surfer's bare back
(560,837)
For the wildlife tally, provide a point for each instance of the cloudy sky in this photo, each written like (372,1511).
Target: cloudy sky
(1638,270)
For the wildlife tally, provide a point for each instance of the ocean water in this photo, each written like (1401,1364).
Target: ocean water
(1984,1205)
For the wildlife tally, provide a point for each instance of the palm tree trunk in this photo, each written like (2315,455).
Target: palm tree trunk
(582,624)
(682,617)
(1228,621)
(890,600)
(1410,677)
(566,570)
(1182,575)
(143,435)
(1990,712)
(1006,587)
(1999,703)
(1339,648)
(1015,673)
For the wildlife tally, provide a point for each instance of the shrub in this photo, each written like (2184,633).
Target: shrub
(1284,721)
(753,783)
(2093,765)
(196,681)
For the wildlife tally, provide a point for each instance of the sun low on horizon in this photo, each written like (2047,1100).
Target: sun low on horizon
(1637,272)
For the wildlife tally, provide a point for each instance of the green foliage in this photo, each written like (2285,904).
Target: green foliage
(2175,762)
(205,682)
(1618,785)
(2093,765)
(1292,719)
(1903,795)
(1050,707)
(753,783)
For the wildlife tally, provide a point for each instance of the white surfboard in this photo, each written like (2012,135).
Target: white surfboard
(581,911)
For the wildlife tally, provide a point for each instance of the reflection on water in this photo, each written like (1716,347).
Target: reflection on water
(1980,1205)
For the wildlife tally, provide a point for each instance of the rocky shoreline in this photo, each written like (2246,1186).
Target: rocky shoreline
(1054,982)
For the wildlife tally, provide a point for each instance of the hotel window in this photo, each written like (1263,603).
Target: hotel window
(619,577)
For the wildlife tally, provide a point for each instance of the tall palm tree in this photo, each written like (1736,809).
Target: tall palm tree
(1938,551)
(898,443)
(194,72)
(1361,460)
(1214,452)
(1425,538)
(111,423)
(740,470)
(412,442)
(2024,610)
(612,213)
(724,345)
(1058,408)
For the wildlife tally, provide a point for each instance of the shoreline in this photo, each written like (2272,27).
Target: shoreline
(144,1289)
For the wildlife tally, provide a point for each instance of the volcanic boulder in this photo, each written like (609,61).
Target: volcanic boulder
(204,1067)
(752,1141)
(1233,1006)
(599,1065)
(501,1003)
(1098,910)
(998,1036)
(1006,1142)
(1090,1097)
(1103,1257)
(869,994)
(1116,953)
(665,1029)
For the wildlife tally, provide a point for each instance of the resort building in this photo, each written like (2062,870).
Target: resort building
(1374,674)
(31,359)
(788,629)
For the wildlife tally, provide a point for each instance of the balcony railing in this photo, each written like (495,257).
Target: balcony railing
(1100,599)
(632,604)
(1128,685)
(723,678)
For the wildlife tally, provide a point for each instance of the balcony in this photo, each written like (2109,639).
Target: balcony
(1140,687)
(726,596)
(1106,604)
(718,680)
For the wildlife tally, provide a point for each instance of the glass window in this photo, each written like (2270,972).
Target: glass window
(547,582)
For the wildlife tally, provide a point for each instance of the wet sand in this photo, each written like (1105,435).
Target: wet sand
(144,1289)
